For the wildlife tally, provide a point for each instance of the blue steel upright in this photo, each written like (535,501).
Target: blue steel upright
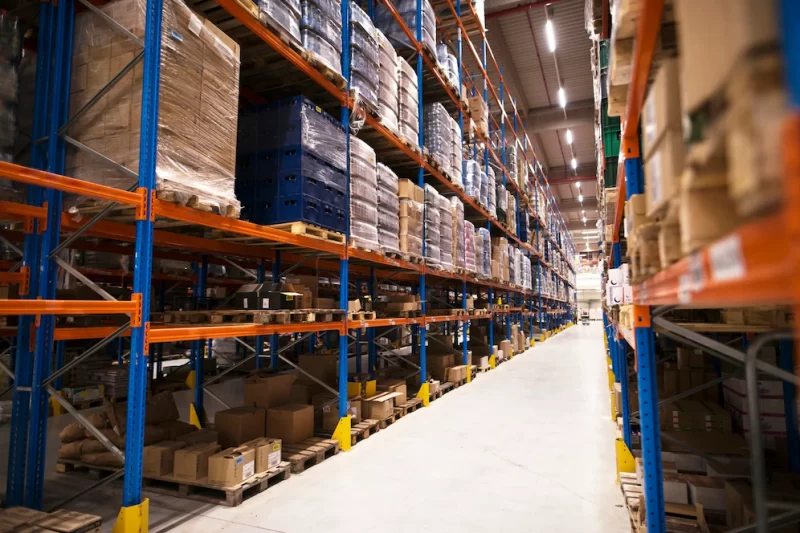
(134,437)
(23,356)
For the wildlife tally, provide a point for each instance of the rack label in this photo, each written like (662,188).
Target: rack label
(727,259)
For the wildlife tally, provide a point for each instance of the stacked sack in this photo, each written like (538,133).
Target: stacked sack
(445,233)
(472,179)
(439,135)
(321,31)
(457,210)
(470,262)
(483,253)
(285,14)
(449,63)
(10,50)
(364,57)
(456,153)
(407,102)
(388,209)
(363,195)
(408,12)
(433,221)
(388,81)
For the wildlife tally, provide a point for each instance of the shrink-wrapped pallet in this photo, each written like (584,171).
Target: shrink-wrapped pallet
(197,108)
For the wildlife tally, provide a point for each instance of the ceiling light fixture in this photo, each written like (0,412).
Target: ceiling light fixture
(569,136)
(550,31)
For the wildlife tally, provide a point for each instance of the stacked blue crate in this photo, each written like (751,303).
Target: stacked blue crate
(291,165)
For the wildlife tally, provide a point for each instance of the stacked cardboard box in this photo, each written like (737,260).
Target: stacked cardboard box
(412,200)
(198,103)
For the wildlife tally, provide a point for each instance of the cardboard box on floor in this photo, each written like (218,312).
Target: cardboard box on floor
(267,451)
(239,425)
(291,423)
(231,466)
(379,406)
(191,463)
(268,389)
(159,459)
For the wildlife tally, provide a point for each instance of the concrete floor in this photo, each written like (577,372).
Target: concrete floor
(526,448)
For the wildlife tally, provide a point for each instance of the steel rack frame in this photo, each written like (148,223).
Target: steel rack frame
(47,230)
(753,265)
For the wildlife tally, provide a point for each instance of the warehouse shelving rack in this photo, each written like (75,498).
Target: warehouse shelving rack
(46,230)
(756,264)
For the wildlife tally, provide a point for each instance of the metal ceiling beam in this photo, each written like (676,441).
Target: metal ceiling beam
(520,7)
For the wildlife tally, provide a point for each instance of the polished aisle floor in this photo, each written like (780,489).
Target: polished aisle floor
(528,447)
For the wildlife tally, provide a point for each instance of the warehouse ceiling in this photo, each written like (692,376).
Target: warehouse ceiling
(534,74)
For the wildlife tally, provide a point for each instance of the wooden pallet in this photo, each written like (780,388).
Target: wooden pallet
(309,230)
(309,452)
(202,491)
(358,432)
(388,421)
(409,407)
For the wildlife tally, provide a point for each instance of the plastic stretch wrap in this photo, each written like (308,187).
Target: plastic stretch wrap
(293,122)
(386,22)
(445,232)
(455,162)
(316,19)
(282,13)
(438,134)
(389,210)
(363,204)
(198,102)
(457,210)
(483,253)
(322,49)
(469,247)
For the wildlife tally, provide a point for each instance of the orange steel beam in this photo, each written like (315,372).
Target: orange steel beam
(40,178)
(66,307)
(174,334)
(748,267)
(233,225)
(644,45)
(255,26)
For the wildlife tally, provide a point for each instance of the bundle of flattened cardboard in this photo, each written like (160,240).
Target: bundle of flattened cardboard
(198,99)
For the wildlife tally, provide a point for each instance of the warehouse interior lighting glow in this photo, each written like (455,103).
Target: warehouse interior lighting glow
(550,31)
(569,136)
(562,97)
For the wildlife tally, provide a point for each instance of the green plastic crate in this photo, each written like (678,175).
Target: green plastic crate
(611,143)
(610,177)
(605,47)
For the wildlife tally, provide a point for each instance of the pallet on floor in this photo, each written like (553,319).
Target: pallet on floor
(309,452)
(358,432)
(409,407)
(202,491)
(309,230)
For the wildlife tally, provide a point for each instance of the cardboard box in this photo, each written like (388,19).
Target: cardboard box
(291,423)
(663,168)
(231,466)
(239,425)
(191,463)
(395,385)
(267,453)
(379,406)
(715,35)
(662,107)
(268,390)
(690,358)
(408,189)
(158,459)
(324,367)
